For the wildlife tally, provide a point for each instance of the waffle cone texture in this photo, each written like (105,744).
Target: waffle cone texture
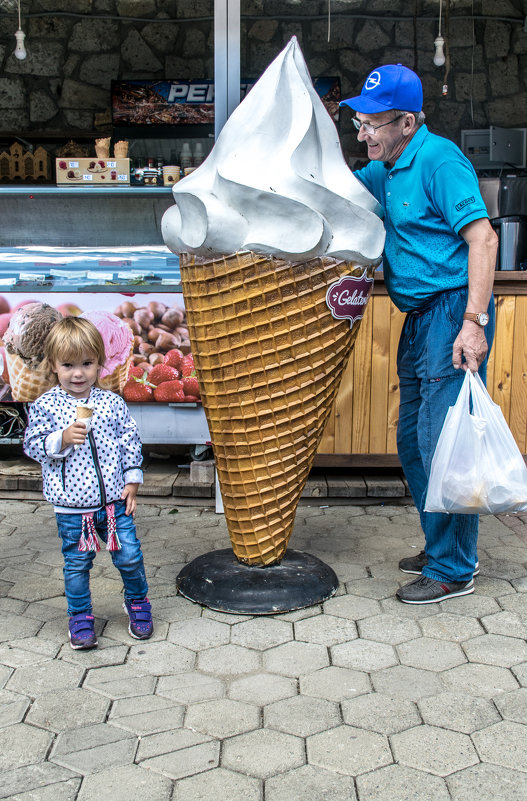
(269,358)
(26,384)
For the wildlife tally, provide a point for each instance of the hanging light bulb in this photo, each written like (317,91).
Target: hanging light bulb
(439,55)
(20,50)
(439,43)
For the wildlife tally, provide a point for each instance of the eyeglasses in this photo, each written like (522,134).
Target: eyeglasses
(370,129)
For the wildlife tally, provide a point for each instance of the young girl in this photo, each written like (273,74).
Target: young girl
(90,476)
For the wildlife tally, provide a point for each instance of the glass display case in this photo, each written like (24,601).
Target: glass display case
(137,285)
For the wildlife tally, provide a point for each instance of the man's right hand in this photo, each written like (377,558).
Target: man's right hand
(75,434)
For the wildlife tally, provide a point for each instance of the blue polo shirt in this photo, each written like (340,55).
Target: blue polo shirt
(428,195)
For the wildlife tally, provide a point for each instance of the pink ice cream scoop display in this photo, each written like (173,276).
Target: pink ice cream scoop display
(118,344)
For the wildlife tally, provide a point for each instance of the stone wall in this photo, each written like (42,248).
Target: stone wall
(64,83)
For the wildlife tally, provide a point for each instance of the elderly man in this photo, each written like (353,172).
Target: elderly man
(439,261)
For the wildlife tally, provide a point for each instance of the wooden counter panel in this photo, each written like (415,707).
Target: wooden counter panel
(365,414)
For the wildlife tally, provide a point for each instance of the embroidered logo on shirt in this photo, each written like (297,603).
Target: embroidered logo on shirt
(465,202)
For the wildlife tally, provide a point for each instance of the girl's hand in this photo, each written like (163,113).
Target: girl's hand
(129,495)
(75,434)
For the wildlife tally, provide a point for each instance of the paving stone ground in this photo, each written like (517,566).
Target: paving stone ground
(359,699)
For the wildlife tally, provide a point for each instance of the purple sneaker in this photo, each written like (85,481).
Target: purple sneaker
(140,614)
(82,635)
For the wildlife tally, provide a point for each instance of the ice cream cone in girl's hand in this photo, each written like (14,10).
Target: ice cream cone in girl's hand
(84,413)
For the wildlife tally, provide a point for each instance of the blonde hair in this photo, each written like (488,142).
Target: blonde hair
(71,339)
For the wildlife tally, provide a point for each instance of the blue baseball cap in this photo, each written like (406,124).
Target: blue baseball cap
(387,87)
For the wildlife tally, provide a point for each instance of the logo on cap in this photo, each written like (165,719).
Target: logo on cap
(373,80)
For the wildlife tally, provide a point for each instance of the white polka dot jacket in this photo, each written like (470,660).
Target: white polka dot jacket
(94,473)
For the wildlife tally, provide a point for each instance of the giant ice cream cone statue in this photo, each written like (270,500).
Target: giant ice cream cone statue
(269,357)
(268,223)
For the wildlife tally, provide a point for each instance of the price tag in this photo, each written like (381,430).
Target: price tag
(87,177)
(73,163)
(111,164)
(122,177)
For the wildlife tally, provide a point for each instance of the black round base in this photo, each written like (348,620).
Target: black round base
(219,581)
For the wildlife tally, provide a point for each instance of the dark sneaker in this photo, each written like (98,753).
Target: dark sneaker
(82,634)
(415,564)
(140,613)
(424,590)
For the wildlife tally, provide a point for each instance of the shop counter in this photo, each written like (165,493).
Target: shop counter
(362,428)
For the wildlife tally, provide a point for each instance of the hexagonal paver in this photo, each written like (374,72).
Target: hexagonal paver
(486,781)
(228,660)
(152,721)
(504,744)
(455,628)
(352,607)
(190,687)
(380,713)
(302,715)
(470,605)
(54,710)
(401,783)
(129,783)
(325,630)
(263,753)
(185,761)
(513,706)
(364,655)
(22,745)
(222,718)
(390,629)
(262,688)
(348,750)
(158,658)
(433,749)
(45,677)
(407,682)
(262,633)
(217,783)
(457,711)
(310,782)
(198,634)
(430,654)
(495,649)
(335,683)
(508,623)
(295,658)
(480,680)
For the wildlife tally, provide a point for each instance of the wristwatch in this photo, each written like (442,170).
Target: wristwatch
(481,318)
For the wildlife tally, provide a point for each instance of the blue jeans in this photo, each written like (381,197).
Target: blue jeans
(429,384)
(77,564)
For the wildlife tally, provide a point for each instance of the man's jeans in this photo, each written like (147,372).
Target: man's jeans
(429,384)
(77,564)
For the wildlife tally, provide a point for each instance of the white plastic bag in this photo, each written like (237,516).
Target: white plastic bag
(477,467)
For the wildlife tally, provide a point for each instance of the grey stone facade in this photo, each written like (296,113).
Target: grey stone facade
(76,50)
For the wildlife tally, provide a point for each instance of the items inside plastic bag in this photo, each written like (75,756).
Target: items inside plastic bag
(477,467)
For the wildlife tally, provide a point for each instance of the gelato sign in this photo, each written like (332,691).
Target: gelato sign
(348,297)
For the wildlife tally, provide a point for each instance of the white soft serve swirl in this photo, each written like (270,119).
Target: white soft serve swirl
(276,181)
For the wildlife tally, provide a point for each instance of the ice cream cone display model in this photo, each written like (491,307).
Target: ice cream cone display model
(269,357)
(24,350)
(265,228)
